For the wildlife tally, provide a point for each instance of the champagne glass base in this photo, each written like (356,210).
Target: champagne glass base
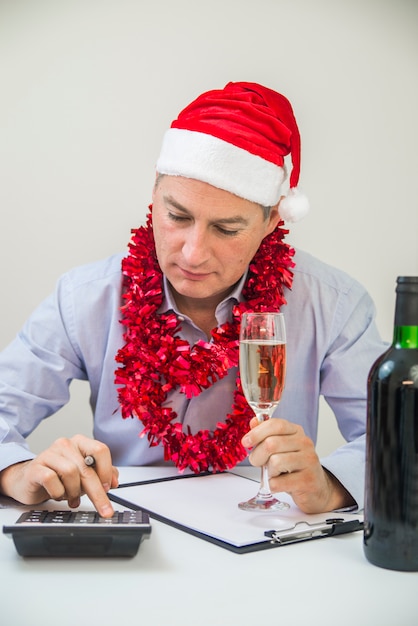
(263,504)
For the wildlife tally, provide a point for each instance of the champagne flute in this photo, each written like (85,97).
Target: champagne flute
(262,364)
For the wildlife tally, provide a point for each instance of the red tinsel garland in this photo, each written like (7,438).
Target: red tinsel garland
(155,360)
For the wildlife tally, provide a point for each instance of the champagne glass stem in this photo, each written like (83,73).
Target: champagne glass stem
(264,492)
(264,500)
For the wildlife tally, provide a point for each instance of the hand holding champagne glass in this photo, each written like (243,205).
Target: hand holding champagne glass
(262,363)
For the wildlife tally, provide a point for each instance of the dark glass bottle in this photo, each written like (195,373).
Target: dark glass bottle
(391,489)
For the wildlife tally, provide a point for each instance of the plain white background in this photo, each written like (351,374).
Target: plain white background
(88,88)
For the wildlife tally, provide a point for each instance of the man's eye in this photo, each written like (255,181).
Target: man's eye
(177,218)
(228,233)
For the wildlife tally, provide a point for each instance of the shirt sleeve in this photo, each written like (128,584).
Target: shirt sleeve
(354,346)
(333,342)
(35,373)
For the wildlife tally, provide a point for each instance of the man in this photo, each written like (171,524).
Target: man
(212,248)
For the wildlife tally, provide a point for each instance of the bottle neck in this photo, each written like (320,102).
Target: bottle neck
(405,337)
(405,334)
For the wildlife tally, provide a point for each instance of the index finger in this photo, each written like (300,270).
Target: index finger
(272,426)
(97,473)
(94,489)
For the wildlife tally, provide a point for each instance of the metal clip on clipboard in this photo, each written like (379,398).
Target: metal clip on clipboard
(303,531)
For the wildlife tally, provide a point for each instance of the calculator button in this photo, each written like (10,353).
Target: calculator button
(108,520)
(57,517)
(84,517)
(131,517)
(34,517)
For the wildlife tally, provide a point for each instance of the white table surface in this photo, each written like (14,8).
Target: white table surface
(177,579)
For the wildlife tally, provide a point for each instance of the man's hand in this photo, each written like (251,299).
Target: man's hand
(60,473)
(294,466)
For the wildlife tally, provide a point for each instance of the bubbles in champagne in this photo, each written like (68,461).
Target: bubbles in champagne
(263,371)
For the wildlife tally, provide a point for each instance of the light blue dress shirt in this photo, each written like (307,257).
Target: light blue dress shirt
(332,341)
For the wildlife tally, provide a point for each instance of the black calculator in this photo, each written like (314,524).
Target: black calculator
(79,533)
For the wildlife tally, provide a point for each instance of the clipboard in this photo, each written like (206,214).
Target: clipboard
(205,505)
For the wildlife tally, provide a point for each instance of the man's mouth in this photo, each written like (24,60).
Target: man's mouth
(193,275)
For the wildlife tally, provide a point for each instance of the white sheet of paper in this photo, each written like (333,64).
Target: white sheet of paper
(209,504)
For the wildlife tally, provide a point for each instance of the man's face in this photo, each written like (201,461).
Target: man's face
(205,237)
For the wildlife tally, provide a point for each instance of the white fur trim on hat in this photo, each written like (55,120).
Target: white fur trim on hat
(221,164)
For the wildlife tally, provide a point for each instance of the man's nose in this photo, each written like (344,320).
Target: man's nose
(196,247)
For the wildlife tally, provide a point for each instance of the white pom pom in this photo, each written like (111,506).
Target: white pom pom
(294,206)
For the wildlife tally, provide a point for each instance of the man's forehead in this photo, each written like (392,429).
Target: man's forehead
(190,195)
(235,218)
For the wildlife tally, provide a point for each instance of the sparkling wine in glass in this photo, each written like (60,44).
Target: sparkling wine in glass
(262,364)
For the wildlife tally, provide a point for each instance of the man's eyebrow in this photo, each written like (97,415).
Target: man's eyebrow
(235,219)
(170,200)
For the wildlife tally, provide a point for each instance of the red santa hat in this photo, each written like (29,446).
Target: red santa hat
(236,139)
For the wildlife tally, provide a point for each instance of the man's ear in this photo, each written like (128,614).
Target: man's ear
(274,218)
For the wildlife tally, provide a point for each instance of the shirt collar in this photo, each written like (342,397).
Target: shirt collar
(223,310)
